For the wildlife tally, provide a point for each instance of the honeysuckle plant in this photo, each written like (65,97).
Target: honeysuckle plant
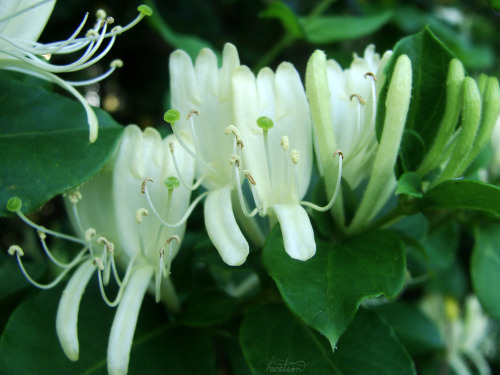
(22,22)
(396,273)
(122,240)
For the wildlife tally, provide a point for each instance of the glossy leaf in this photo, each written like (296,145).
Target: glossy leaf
(44,144)
(463,195)
(329,29)
(485,267)
(284,344)
(326,290)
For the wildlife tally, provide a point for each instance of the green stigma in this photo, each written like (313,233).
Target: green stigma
(172,182)
(265,123)
(144,9)
(14,204)
(172,116)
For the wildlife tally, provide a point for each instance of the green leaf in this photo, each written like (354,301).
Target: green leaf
(411,152)
(414,329)
(430,60)
(329,29)
(29,344)
(410,184)
(285,345)
(286,16)
(207,307)
(463,195)
(485,267)
(326,290)
(12,279)
(44,144)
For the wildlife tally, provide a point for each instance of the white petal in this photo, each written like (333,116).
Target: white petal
(222,228)
(297,231)
(122,331)
(67,312)
(28,25)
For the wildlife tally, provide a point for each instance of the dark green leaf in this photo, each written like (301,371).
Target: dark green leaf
(485,267)
(44,144)
(207,307)
(326,290)
(410,184)
(411,151)
(414,329)
(285,344)
(463,195)
(329,29)
(29,344)
(430,60)
(287,17)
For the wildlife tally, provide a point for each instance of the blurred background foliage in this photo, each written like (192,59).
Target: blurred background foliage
(267,32)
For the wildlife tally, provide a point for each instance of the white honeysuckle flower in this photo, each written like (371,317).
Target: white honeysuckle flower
(121,228)
(279,159)
(22,22)
(468,333)
(353,106)
(203,96)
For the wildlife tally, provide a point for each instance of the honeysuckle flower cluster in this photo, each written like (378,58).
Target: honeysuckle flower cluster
(22,22)
(467,332)
(344,109)
(247,130)
(122,239)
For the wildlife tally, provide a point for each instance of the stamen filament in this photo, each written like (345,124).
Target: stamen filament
(240,195)
(262,212)
(158,276)
(48,231)
(58,263)
(186,215)
(268,155)
(121,289)
(337,188)
(56,280)
(114,65)
(177,169)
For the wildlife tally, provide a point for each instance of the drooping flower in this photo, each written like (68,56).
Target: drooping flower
(344,109)
(203,96)
(230,114)
(118,232)
(272,116)
(22,22)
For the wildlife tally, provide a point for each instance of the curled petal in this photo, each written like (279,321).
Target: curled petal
(223,229)
(67,312)
(122,331)
(297,231)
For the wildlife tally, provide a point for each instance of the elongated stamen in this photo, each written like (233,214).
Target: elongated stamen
(100,267)
(48,231)
(18,252)
(166,272)
(112,67)
(262,210)
(107,253)
(295,155)
(164,269)
(186,215)
(177,169)
(58,263)
(337,188)
(236,162)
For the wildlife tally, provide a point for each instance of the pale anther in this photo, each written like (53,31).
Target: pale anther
(285,143)
(98,263)
(143,186)
(89,234)
(91,33)
(193,112)
(295,154)
(174,237)
(15,249)
(247,174)
(110,20)
(359,97)
(108,244)
(338,152)
(231,129)
(172,147)
(74,196)
(116,64)
(139,215)
(42,235)
(234,159)
(370,74)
